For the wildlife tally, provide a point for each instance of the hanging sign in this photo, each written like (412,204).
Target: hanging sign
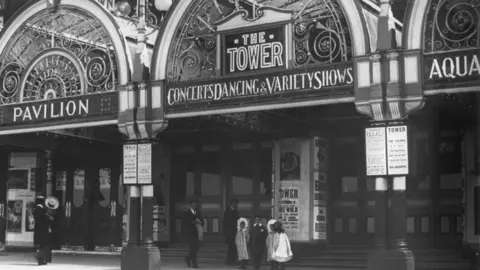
(130,164)
(144,163)
(397,150)
(376,152)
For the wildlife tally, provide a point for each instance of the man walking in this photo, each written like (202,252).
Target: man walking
(190,220)
(41,233)
(230,218)
(258,237)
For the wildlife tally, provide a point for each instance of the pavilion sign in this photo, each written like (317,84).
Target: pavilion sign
(452,70)
(80,108)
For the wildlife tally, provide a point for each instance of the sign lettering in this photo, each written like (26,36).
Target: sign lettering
(109,4)
(59,111)
(452,70)
(250,51)
(297,82)
(50,111)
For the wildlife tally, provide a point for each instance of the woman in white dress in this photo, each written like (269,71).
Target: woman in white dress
(282,252)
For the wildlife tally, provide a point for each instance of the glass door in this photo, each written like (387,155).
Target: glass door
(20,207)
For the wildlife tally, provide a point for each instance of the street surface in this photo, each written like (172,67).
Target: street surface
(22,261)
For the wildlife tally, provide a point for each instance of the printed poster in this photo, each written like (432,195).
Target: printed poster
(376,151)
(288,208)
(160,226)
(320,221)
(78,187)
(290,162)
(397,150)
(30,220)
(14,216)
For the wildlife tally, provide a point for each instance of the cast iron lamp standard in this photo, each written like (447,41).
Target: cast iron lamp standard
(386,103)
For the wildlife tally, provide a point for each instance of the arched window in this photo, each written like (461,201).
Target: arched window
(57,55)
(320,35)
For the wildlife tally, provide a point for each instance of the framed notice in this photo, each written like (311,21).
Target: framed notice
(397,150)
(376,151)
(144,164)
(130,164)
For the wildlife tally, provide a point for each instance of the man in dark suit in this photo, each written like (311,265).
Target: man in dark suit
(230,218)
(190,220)
(258,238)
(41,232)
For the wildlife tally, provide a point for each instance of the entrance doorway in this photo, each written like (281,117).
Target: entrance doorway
(20,203)
(87,184)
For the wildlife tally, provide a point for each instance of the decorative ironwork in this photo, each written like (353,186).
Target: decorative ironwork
(320,31)
(452,25)
(54,55)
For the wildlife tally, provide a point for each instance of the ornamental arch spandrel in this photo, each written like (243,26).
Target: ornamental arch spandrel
(61,67)
(441,40)
(195,36)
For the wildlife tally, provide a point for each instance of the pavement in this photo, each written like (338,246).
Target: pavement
(25,260)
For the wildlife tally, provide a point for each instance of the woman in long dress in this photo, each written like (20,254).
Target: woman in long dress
(241,241)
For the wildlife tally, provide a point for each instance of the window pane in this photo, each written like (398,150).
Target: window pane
(190,183)
(266,165)
(17,179)
(349,184)
(459,224)
(370,225)
(352,225)
(209,169)
(242,172)
(410,224)
(370,184)
(425,224)
(444,224)
(61,186)
(338,225)
(215,225)
(210,184)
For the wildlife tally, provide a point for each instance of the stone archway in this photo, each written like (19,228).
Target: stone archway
(69,53)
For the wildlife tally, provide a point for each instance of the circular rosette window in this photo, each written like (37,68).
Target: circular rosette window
(51,75)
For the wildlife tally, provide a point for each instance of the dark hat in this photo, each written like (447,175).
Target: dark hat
(257,215)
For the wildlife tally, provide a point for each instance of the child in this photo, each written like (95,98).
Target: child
(258,237)
(241,240)
(270,237)
(282,251)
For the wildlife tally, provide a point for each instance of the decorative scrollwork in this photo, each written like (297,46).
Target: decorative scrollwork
(52,76)
(320,31)
(70,30)
(452,25)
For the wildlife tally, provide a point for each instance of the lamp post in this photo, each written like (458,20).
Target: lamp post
(388,102)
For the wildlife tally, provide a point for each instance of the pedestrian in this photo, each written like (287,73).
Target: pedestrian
(282,251)
(241,240)
(41,231)
(191,222)
(258,237)
(230,218)
(270,239)
(52,204)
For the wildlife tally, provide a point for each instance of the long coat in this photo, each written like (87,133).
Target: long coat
(241,241)
(230,218)
(189,227)
(258,237)
(41,234)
